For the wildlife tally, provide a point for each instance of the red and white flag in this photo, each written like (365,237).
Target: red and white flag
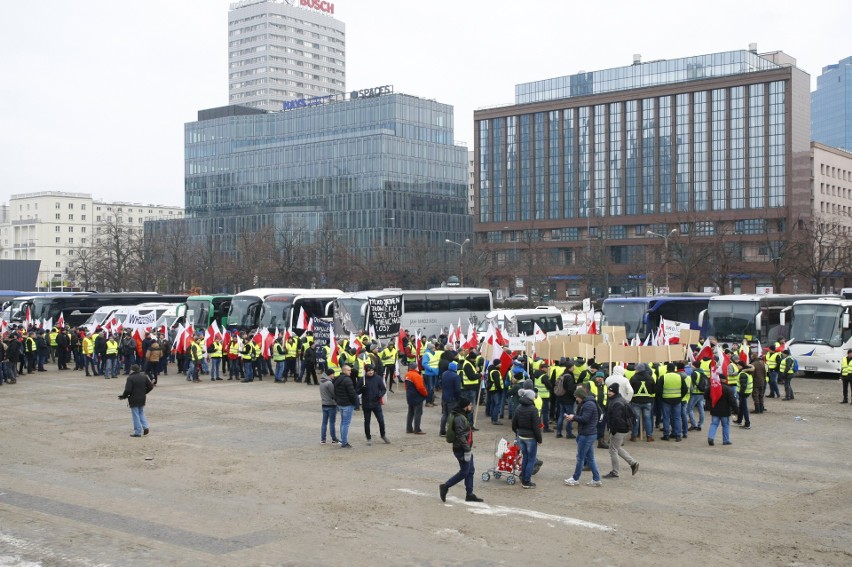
(61,321)
(211,333)
(400,340)
(706,351)
(3,326)
(538,334)
(591,325)
(353,341)
(332,343)
(139,336)
(268,339)
(472,340)
(744,352)
(303,319)
(28,319)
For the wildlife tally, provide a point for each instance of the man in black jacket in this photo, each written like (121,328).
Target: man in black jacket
(463,451)
(527,426)
(372,389)
(135,392)
(620,417)
(347,399)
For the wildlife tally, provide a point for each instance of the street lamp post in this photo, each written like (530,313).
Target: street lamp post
(461,257)
(665,238)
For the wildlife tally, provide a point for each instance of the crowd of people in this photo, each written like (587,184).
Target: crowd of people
(610,403)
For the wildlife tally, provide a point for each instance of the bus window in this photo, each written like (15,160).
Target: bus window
(438,303)
(414,304)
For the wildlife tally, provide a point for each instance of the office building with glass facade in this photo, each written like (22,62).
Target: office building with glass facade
(597,165)
(380,171)
(284,50)
(831,106)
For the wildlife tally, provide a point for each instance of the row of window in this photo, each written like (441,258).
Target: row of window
(304,24)
(836,172)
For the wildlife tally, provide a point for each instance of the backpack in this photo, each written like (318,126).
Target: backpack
(630,416)
(559,388)
(451,429)
(701,384)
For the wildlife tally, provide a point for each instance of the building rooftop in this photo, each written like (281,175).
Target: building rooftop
(653,73)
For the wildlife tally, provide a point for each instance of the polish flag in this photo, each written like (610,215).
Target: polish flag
(177,344)
(371,332)
(61,321)
(472,340)
(138,336)
(310,324)
(500,337)
(538,334)
(303,319)
(591,325)
(268,339)
(226,340)
(332,342)
(210,334)
(706,351)
(353,341)
(400,340)
(744,348)
(3,326)
(28,319)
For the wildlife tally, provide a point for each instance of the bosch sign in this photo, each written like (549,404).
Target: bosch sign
(369,93)
(302,102)
(322,6)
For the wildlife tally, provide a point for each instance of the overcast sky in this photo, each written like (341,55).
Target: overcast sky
(95,94)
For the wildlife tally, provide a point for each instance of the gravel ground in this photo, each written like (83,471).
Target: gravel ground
(233,474)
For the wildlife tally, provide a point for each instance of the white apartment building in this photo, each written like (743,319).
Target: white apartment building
(51,225)
(284,50)
(831,184)
(470,182)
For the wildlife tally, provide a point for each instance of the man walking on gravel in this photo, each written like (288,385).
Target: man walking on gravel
(135,392)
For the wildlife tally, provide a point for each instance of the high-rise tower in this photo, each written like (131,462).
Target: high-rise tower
(283,50)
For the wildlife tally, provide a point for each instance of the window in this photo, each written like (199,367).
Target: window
(70,229)
(83,240)
(57,205)
(82,217)
(58,217)
(129,219)
(70,206)
(98,218)
(58,252)
(70,217)
(57,228)
(59,264)
(83,207)
(71,240)
(58,238)
(82,229)
(70,252)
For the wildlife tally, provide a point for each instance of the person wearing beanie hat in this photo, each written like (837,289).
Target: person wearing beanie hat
(587,418)
(620,418)
(450,394)
(526,424)
(462,450)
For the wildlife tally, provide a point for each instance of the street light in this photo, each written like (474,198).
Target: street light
(461,256)
(665,238)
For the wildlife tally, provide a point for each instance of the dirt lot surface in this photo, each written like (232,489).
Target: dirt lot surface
(233,474)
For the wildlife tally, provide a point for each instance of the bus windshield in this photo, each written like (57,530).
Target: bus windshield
(43,308)
(198,313)
(630,314)
(17,309)
(547,323)
(276,312)
(351,312)
(817,324)
(731,320)
(245,311)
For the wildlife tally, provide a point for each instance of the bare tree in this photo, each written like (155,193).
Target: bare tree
(822,251)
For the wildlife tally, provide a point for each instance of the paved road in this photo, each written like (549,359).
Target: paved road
(233,474)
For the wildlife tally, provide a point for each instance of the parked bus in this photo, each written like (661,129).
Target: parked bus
(281,310)
(77,307)
(518,322)
(820,333)
(202,310)
(734,318)
(14,303)
(143,315)
(247,306)
(641,315)
(172,317)
(428,312)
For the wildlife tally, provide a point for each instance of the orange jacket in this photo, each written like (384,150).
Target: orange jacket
(417,381)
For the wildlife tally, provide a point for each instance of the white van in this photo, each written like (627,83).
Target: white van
(519,322)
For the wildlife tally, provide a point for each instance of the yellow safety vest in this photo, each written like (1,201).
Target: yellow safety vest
(217,350)
(543,392)
(111,347)
(434,360)
(598,393)
(247,351)
(234,349)
(88,346)
(746,383)
(197,351)
(388,355)
(53,336)
(278,352)
(688,380)
(846,366)
(672,382)
(467,382)
(772,360)
(292,348)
